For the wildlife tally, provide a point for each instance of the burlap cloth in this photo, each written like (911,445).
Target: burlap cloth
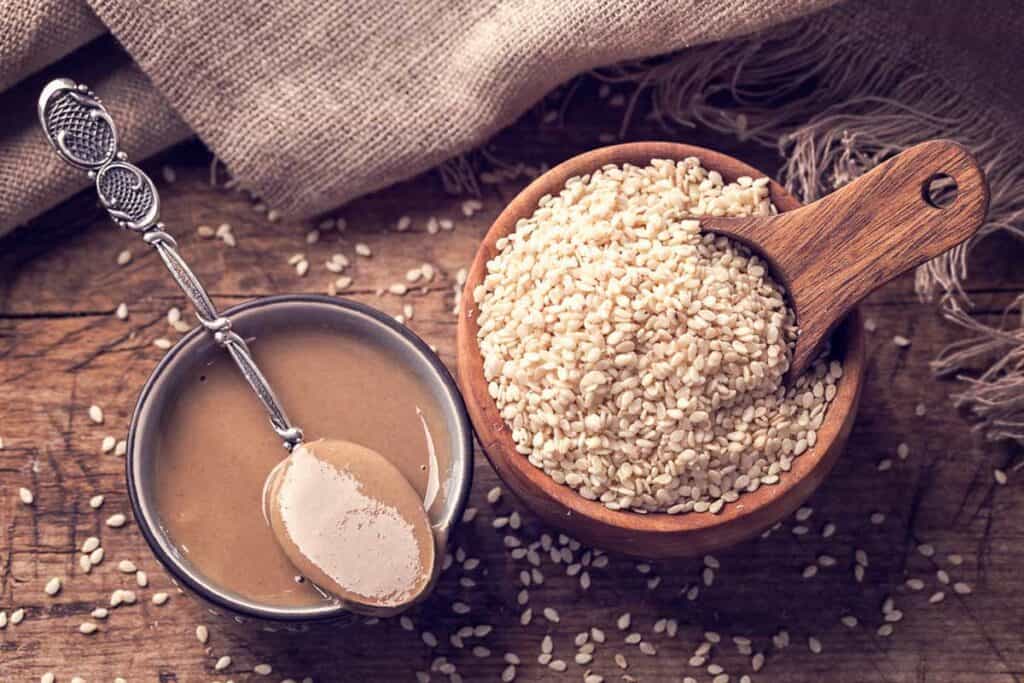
(310,104)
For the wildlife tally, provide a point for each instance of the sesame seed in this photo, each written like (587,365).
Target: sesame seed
(202,634)
(96,502)
(999,476)
(903,451)
(126,567)
(17,616)
(222,663)
(100,613)
(262,669)
(124,257)
(961,588)
(885,630)
(141,579)
(96,414)
(116,521)
(848,620)
(162,343)
(88,628)
(901,341)
(121,312)
(363,249)
(429,639)
(160,598)
(926,550)
(96,556)
(52,586)
(814,645)
(937,597)
(915,584)
(551,614)
(26,496)
(494,495)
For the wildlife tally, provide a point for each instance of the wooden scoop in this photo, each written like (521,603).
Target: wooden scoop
(831,254)
(351,523)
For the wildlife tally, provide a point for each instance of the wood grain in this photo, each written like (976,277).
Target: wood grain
(834,252)
(649,535)
(61,350)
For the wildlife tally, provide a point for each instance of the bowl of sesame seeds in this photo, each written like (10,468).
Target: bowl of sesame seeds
(625,372)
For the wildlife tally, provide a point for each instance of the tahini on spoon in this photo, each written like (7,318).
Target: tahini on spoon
(81,131)
(834,252)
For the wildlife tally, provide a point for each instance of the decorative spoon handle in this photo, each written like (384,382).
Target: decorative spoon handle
(83,134)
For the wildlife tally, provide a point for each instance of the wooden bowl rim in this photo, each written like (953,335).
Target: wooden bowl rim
(498,443)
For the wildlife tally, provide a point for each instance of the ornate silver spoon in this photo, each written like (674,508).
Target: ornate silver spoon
(83,134)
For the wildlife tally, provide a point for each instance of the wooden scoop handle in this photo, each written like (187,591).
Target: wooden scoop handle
(836,251)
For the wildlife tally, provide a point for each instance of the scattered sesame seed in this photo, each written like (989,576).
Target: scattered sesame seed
(141,579)
(96,502)
(999,476)
(920,409)
(162,343)
(121,312)
(885,630)
(96,414)
(937,597)
(551,614)
(814,645)
(100,613)
(88,628)
(202,634)
(926,550)
(848,620)
(116,521)
(53,586)
(901,341)
(915,584)
(26,496)
(160,598)
(961,588)
(124,257)
(363,249)
(262,669)
(17,616)
(494,495)
(222,663)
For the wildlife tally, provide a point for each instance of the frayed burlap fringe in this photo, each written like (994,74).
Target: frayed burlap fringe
(834,108)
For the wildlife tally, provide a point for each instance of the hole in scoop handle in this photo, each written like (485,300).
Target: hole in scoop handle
(836,251)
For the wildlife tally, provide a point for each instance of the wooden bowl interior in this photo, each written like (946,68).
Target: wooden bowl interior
(656,534)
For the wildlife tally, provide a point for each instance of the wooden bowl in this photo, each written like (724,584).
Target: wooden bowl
(653,535)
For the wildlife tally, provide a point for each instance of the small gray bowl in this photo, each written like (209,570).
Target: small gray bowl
(197,348)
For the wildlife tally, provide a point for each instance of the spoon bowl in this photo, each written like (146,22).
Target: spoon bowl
(655,535)
(352,524)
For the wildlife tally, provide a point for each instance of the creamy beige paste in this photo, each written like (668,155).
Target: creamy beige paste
(217,448)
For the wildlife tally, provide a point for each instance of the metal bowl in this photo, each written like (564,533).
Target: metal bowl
(197,348)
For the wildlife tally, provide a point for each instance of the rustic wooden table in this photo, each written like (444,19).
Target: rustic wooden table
(62,349)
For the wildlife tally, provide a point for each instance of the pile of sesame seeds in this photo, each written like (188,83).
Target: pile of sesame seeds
(639,360)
